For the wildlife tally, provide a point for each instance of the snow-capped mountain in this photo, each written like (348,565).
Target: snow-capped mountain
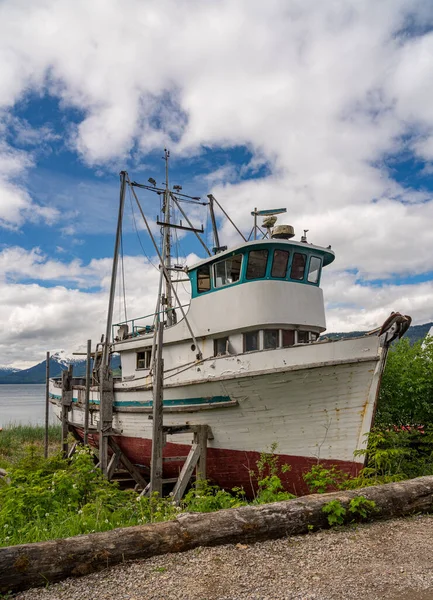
(64,358)
(59,361)
(7,370)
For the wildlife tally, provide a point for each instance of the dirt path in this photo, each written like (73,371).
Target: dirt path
(388,560)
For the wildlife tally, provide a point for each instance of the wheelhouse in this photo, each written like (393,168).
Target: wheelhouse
(260,260)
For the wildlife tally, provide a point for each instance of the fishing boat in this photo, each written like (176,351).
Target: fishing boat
(246,358)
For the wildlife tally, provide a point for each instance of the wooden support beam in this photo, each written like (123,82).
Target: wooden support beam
(168,459)
(129,466)
(113,464)
(72,450)
(186,472)
(66,405)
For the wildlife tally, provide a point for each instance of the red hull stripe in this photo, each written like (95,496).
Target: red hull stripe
(230,468)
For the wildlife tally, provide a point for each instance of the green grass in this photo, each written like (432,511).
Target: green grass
(15,439)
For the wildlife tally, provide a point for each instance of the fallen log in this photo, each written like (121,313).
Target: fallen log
(30,565)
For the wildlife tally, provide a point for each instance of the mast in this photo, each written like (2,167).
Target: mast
(106,376)
(167,245)
(107,340)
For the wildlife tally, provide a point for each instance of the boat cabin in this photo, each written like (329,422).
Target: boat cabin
(259,261)
(260,295)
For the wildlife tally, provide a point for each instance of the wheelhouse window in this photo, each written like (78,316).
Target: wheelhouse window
(143,358)
(257,261)
(287,338)
(251,341)
(221,346)
(203,279)
(270,338)
(314,269)
(298,266)
(227,271)
(279,263)
(303,337)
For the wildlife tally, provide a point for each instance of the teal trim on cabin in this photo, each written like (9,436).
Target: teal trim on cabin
(307,250)
(181,402)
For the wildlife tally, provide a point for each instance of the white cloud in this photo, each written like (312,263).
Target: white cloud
(321,92)
(355,306)
(36,317)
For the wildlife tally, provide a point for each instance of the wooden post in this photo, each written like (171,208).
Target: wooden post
(66,404)
(105,415)
(47,403)
(186,472)
(200,437)
(87,398)
(157,429)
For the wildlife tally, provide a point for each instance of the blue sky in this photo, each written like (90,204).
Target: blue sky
(326,110)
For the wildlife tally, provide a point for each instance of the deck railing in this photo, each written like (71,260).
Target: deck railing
(137,329)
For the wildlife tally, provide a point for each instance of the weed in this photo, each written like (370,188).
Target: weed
(362,508)
(204,497)
(335,512)
(270,487)
(319,479)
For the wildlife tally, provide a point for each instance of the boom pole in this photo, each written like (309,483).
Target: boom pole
(167,244)
(107,339)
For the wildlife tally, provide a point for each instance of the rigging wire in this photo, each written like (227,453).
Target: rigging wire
(165,272)
(136,230)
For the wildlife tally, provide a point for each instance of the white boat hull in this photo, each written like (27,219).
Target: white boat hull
(315,410)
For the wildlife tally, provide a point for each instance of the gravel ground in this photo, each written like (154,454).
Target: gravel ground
(388,560)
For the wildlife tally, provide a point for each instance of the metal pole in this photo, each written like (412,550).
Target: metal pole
(157,425)
(167,243)
(255,223)
(227,216)
(87,398)
(47,403)
(189,223)
(214,225)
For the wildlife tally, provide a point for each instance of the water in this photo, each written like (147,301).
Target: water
(23,404)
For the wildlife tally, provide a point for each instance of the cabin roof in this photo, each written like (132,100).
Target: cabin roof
(327,253)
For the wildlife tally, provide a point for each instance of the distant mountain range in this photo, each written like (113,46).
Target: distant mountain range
(60,360)
(58,363)
(414,333)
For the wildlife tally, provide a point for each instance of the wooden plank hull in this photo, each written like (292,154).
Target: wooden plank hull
(315,411)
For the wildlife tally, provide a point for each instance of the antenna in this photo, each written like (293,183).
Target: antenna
(264,213)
